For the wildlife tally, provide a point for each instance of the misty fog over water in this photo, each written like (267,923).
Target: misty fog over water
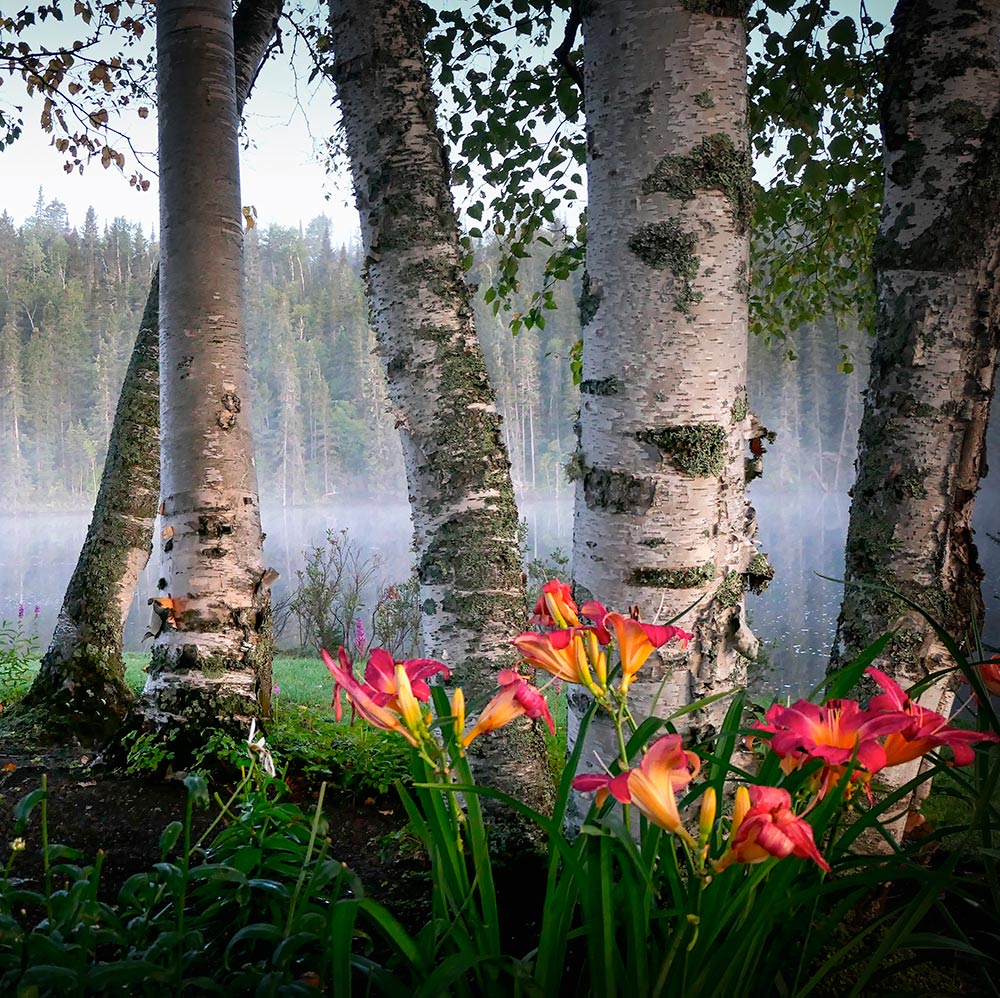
(801,530)
(802,533)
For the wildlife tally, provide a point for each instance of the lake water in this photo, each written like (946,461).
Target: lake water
(801,531)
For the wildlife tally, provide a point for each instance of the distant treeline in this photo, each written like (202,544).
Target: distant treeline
(71,303)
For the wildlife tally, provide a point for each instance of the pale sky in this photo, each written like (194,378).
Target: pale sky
(283,173)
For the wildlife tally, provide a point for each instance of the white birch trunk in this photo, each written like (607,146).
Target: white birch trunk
(462,501)
(211,661)
(922,437)
(661,516)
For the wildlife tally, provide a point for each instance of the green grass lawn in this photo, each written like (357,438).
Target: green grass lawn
(302,681)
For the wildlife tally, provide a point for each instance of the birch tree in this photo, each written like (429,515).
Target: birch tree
(921,445)
(211,659)
(458,475)
(81,682)
(661,515)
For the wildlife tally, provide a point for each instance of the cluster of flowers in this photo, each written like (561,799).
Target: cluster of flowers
(844,736)
(893,730)
(391,693)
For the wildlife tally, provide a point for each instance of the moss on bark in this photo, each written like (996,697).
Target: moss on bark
(698,450)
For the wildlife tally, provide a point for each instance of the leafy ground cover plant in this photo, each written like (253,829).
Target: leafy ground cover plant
(18,647)
(254,905)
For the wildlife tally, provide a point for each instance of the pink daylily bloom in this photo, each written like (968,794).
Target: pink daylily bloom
(770,828)
(835,732)
(555,606)
(926,730)
(380,675)
(361,698)
(516,697)
(604,784)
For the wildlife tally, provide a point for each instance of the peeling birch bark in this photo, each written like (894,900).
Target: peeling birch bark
(661,515)
(211,660)
(922,439)
(458,474)
(81,682)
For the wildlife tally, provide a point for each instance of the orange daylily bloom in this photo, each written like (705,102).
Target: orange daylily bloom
(926,729)
(361,701)
(989,672)
(380,676)
(636,642)
(561,653)
(652,786)
(516,697)
(837,732)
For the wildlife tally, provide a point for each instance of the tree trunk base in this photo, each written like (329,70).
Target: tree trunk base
(84,697)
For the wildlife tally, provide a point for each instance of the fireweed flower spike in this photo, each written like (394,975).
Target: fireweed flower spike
(516,697)
(925,730)
(769,828)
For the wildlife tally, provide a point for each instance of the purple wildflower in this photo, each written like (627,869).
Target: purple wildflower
(359,633)
(20,611)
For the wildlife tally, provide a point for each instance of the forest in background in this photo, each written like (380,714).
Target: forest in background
(71,303)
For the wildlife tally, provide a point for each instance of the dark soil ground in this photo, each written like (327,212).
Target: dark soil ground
(90,809)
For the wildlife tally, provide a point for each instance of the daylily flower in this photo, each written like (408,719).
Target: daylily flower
(651,786)
(989,672)
(664,769)
(926,729)
(636,642)
(770,828)
(361,698)
(562,653)
(604,784)
(597,612)
(836,732)
(516,697)
(380,675)
(555,606)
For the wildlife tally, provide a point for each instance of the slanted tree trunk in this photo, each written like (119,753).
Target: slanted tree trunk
(211,660)
(458,474)
(661,515)
(80,685)
(921,443)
